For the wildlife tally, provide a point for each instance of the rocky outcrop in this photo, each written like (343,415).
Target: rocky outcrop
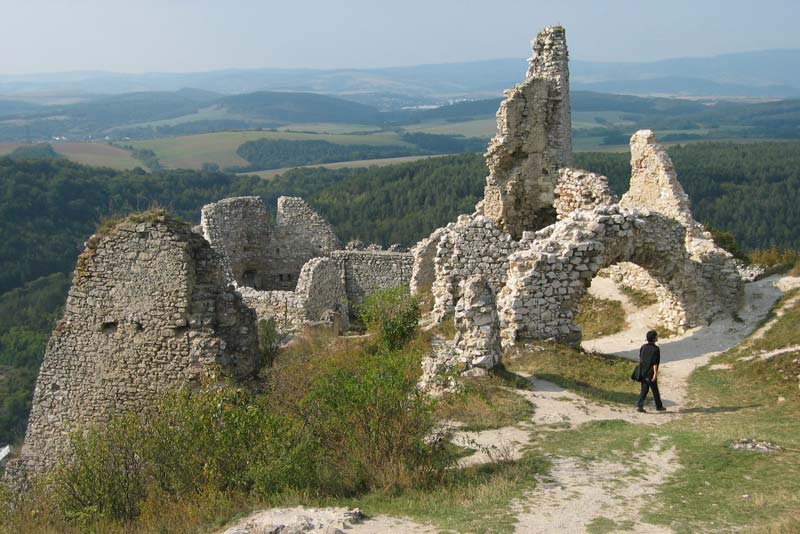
(149,310)
(534,136)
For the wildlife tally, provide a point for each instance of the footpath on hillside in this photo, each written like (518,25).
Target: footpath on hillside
(577,492)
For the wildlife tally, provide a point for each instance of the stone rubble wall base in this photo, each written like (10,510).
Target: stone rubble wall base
(477,325)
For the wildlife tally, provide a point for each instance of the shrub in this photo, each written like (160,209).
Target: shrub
(392,315)
(105,477)
(270,339)
(339,419)
(373,425)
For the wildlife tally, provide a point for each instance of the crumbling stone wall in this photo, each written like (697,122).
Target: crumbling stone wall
(477,325)
(239,230)
(259,254)
(300,234)
(534,136)
(320,290)
(365,272)
(473,245)
(580,190)
(149,310)
(547,281)
(423,272)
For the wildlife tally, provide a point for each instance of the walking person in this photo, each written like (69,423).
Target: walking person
(649,361)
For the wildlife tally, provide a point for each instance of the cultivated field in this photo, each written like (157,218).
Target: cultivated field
(95,154)
(191,151)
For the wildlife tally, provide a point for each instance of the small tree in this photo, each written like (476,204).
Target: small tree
(270,338)
(392,315)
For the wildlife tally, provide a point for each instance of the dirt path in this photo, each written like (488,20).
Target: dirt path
(682,354)
(577,494)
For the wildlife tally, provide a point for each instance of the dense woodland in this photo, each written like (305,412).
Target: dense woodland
(265,154)
(48,207)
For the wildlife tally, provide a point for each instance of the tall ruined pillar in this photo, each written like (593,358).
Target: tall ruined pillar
(534,139)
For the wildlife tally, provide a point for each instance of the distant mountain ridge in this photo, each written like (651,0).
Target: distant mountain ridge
(767,74)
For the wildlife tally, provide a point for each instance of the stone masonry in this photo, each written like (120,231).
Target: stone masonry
(149,310)
(534,136)
(543,231)
(477,325)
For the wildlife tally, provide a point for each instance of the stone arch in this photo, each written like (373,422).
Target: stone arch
(547,281)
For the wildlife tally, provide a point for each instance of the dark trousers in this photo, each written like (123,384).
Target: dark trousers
(647,385)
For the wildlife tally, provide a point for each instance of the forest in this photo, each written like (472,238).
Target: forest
(49,207)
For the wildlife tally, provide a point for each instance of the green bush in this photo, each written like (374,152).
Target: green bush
(270,339)
(372,425)
(338,421)
(392,315)
(105,478)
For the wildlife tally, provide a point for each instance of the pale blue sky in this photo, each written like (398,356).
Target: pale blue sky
(195,35)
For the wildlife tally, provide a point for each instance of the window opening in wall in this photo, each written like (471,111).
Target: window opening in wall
(109,327)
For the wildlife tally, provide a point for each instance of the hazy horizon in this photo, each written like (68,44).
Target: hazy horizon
(193,36)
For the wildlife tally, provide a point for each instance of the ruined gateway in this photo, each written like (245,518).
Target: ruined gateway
(155,305)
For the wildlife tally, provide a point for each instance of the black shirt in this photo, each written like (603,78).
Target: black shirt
(649,355)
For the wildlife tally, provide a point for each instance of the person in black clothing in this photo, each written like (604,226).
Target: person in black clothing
(649,360)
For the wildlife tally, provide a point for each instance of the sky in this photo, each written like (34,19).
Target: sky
(200,35)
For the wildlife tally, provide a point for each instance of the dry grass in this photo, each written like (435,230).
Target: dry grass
(638,298)
(484,403)
(600,317)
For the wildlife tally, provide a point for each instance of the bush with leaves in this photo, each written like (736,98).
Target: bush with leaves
(392,315)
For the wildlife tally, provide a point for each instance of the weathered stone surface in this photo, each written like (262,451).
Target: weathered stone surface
(149,310)
(539,267)
(473,245)
(580,190)
(477,325)
(264,256)
(365,272)
(534,136)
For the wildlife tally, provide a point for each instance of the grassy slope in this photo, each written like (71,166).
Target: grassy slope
(191,151)
(716,488)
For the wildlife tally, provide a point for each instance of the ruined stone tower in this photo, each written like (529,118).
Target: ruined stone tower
(534,139)
(149,310)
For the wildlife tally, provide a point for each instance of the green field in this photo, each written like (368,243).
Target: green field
(95,154)
(191,151)
(472,128)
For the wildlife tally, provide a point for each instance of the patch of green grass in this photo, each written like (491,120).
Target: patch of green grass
(786,330)
(597,376)
(604,525)
(599,317)
(477,499)
(716,488)
(638,298)
(484,403)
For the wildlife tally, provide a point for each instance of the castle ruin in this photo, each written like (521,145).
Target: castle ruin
(543,231)
(155,305)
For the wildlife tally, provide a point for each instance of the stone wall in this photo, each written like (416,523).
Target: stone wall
(365,272)
(473,245)
(299,235)
(149,310)
(477,326)
(239,230)
(423,272)
(259,254)
(534,136)
(547,281)
(580,190)
(320,290)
